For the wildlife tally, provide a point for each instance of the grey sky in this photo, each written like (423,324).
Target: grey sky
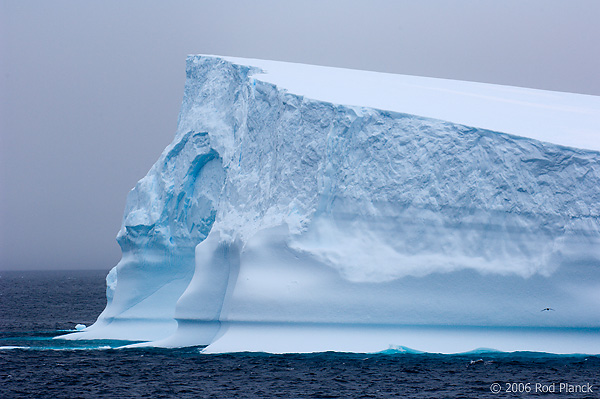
(90,90)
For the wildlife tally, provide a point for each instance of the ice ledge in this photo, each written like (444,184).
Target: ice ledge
(566,119)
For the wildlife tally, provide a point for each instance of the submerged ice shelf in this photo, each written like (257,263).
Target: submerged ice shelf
(280,220)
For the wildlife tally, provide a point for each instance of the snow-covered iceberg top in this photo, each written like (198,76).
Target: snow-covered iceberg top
(556,117)
(280,219)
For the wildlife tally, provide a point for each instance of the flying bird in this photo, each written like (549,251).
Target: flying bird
(546,310)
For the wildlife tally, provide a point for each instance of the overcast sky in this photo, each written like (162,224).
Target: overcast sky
(90,90)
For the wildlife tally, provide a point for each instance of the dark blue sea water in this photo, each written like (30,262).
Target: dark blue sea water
(36,306)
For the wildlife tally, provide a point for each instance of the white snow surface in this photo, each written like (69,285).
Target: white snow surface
(396,220)
(556,117)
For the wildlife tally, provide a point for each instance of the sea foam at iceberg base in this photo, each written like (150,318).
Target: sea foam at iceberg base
(435,215)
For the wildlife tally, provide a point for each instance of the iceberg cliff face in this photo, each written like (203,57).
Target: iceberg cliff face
(272,213)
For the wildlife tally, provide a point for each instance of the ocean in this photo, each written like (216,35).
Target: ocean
(37,306)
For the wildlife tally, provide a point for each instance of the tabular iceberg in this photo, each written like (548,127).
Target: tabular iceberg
(279,220)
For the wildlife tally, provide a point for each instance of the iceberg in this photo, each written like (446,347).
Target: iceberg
(303,208)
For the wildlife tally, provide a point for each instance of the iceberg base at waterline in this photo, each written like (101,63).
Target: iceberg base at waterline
(280,220)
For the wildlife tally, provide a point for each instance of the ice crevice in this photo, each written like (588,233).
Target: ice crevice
(276,215)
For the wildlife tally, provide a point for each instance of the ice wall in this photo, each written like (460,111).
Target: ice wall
(274,212)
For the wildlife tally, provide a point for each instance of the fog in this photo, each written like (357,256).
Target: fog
(90,91)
